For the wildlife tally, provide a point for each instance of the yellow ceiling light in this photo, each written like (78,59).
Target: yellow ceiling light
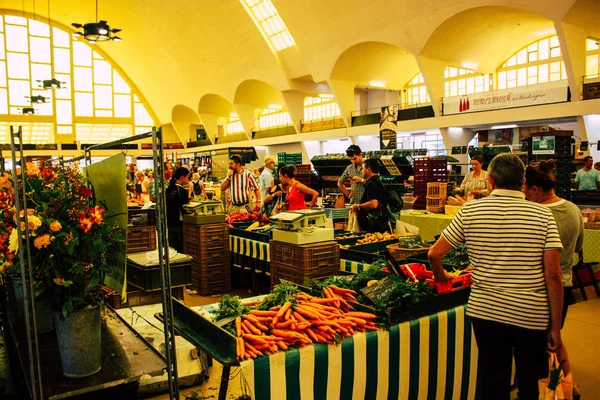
(267,18)
(380,84)
(469,65)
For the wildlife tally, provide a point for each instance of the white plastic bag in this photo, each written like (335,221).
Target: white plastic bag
(353,225)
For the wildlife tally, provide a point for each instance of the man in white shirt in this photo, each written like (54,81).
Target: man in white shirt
(266,181)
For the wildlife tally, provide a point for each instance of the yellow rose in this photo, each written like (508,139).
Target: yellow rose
(55,226)
(13,241)
(42,241)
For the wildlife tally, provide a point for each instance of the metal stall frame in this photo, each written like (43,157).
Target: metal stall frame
(163,251)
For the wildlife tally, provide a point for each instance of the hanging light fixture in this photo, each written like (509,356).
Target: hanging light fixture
(95,32)
(37,99)
(51,84)
(28,110)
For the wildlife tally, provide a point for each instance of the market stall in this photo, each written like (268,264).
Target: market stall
(433,356)
(431,225)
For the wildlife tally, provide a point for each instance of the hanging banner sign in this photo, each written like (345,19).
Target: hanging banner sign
(516,97)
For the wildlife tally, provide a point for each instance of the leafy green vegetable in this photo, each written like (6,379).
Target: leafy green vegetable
(457,258)
(230,307)
(281,293)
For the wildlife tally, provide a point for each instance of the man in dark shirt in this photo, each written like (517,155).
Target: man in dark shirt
(176,196)
(372,211)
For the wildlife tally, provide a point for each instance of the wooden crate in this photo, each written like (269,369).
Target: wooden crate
(138,298)
(142,238)
(437,189)
(295,263)
(435,205)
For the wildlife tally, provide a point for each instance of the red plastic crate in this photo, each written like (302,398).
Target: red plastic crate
(458,282)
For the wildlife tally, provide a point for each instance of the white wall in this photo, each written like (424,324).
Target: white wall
(367,142)
(592,127)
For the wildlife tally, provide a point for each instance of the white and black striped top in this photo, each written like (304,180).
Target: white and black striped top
(506,236)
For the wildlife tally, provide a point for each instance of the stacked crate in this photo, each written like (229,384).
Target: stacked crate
(436,196)
(289,158)
(209,247)
(141,238)
(428,170)
(304,174)
(297,263)
(563,155)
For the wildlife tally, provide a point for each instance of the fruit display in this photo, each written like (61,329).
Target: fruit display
(288,317)
(348,236)
(376,237)
(244,216)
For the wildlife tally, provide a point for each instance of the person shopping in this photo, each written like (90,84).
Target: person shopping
(516,300)
(372,212)
(476,181)
(296,192)
(196,188)
(539,188)
(176,197)
(240,182)
(354,174)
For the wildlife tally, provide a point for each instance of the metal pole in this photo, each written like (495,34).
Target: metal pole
(28,298)
(110,144)
(163,257)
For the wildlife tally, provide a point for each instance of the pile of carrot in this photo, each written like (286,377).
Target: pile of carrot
(309,320)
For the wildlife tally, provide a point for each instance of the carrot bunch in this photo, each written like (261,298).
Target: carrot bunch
(341,295)
(309,320)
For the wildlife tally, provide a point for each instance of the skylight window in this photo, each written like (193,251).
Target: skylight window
(267,18)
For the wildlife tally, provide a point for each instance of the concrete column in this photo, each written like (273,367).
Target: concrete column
(457,137)
(246,113)
(433,75)
(572,46)
(294,102)
(344,95)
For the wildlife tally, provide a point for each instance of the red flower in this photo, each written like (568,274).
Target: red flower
(85,192)
(47,174)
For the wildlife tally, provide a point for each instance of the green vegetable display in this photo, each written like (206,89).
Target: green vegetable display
(230,307)
(281,293)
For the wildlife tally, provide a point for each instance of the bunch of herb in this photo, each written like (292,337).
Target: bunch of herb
(230,307)
(458,258)
(281,293)
(405,295)
(338,281)
(372,273)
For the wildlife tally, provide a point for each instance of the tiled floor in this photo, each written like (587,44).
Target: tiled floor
(580,334)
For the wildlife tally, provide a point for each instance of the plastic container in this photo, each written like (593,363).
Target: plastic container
(408,201)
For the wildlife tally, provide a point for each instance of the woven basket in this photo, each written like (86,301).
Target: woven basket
(400,253)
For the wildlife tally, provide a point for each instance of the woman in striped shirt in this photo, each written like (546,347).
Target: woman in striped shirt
(476,181)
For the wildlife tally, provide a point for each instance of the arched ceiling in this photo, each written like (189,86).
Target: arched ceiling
(257,94)
(176,52)
(371,61)
(505,31)
(214,104)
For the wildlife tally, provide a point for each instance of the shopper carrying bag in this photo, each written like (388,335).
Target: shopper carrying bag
(559,384)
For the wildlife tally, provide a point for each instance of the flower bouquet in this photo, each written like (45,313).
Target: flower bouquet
(69,239)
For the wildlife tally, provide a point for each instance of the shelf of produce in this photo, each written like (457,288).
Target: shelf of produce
(435,354)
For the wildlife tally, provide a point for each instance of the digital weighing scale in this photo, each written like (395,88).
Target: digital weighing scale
(301,227)
(204,212)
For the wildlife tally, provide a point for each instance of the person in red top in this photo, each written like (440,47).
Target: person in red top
(296,192)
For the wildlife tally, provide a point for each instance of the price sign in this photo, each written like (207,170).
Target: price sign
(380,291)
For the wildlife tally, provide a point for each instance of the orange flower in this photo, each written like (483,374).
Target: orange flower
(42,241)
(32,170)
(55,226)
(59,281)
(96,213)
(86,224)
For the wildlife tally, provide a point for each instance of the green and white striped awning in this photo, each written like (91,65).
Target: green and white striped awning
(353,266)
(250,248)
(434,357)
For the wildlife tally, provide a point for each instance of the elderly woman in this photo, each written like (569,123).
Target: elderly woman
(476,181)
